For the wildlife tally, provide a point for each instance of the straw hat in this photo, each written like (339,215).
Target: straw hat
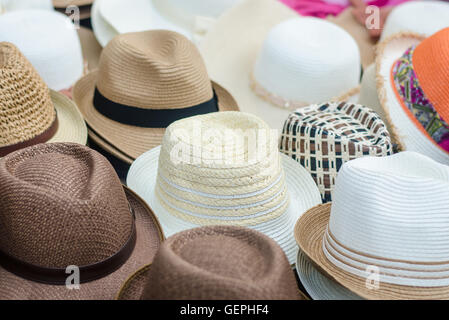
(414,94)
(215,263)
(63,205)
(274,61)
(29,112)
(191,18)
(322,137)
(318,285)
(424,17)
(220,179)
(66,3)
(16,5)
(366,44)
(388,214)
(34,32)
(145,81)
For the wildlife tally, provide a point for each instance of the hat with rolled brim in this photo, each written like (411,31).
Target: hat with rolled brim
(131,141)
(404,131)
(303,192)
(309,232)
(148,239)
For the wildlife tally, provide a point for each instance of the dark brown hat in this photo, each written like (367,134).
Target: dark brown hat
(63,205)
(218,263)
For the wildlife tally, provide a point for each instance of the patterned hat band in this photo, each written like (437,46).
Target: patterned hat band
(415,102)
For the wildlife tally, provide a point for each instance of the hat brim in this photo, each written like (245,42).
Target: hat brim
(130,140)
(319,286)
(309,232)
(408,136)
(107,147)
(90,46)
(303,192)
(149,236)
(114,17)
(71,125)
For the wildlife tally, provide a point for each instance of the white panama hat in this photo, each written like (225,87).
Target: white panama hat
(191,18)
(267,195)
(423,17)
(15,5)
(390,215)
(274,61)
(49,40)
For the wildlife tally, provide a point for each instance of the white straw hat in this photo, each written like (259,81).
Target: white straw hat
(218,178)
(49,40)
(15,5)
(384,236)
(319,286)
(190,18)
(274,61)
(424,17)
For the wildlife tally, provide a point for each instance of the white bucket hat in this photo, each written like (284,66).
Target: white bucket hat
(205,174)
(384,236)
(15,5)
(50,42)
(424,17)
(274,61)
(190,18)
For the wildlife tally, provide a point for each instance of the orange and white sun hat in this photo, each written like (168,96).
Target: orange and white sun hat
(413,88)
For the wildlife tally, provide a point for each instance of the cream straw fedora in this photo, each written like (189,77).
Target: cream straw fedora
(29,112)
(318,285)
(50,41)
(145,81)
(384,236)
(424,17)
(274,61)
(190,18)
(221,179)
(16,5)
(414,92)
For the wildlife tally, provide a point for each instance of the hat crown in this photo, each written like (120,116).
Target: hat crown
(220,263)
(221,168)
(392,212)
(62,204)
(49,40)
(317,64)
(155,69)
(26,109)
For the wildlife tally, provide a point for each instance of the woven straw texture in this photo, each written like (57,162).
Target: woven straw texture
(87,219)
(323,137)
(218,263)
(153,70)
(26,109)
(385,214)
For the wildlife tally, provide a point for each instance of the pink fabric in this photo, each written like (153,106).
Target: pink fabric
(323,8)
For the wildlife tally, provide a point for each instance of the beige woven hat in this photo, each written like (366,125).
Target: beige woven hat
(384,236)
(145,81)
(215,263)
(62,206)
(224,168)
(30,113)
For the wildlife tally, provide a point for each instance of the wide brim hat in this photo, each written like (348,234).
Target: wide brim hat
(303,192)
(148,239)
(403,130)
(108,147)
(71,125)
(309,232)
(243,29)
(131,141)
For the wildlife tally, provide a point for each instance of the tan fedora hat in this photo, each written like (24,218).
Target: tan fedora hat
(30,113)
(384,236)
(215,263)
(145,81)
(63,205)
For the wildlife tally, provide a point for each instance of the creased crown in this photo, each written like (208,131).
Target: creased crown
(155,69)
(26,109)
(220,263)
(62,204)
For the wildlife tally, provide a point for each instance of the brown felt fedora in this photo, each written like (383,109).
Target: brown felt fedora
(63,205)
(215,263)
(145,81)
